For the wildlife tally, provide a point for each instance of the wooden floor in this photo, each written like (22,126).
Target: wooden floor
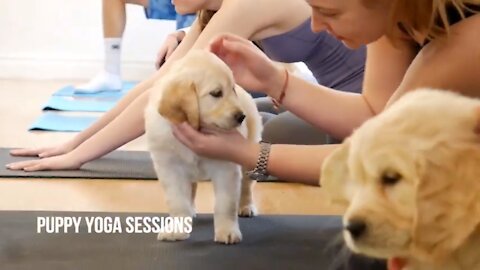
(20,104)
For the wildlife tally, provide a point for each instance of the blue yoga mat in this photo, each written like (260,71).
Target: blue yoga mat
(50,121)
(66,99)
(75,104)
(70,91)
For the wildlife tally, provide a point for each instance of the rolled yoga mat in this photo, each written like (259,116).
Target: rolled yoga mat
(269,242)
(116,165)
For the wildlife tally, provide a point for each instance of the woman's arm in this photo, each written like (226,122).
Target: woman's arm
(335,112)
(295,163)
(339,113)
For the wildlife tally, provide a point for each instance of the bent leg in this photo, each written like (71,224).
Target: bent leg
(286,128)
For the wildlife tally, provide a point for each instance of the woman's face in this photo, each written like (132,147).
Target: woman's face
(350,20)
(193,6)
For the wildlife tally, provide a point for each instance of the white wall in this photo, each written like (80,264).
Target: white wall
(62,39)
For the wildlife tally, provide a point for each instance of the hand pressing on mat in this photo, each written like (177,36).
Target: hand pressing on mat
(44,152)
(62,162)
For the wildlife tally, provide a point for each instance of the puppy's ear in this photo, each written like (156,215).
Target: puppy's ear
(180,103)
(447,199)
(335,174)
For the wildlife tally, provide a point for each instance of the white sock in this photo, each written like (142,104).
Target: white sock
(113,51)
(109,79)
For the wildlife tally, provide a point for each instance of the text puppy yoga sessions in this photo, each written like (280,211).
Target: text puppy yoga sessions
(113,224)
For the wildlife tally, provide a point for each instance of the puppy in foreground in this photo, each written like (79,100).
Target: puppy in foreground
(410,179)
(200,89)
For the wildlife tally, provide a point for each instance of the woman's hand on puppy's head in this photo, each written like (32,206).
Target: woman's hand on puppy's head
(252,69)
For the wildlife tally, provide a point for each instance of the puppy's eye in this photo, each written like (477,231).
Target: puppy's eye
(390,178)
(218,93)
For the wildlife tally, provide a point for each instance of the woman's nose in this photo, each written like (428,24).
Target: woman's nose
(317,24)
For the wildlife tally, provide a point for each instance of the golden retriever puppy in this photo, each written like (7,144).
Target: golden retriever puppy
(410,179)
(200,89)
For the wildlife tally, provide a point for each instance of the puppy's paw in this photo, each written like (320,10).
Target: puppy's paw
(228,236)
(173,236)
(248,210)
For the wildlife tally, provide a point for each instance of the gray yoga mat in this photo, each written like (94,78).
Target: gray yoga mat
(270,242)
(116,165)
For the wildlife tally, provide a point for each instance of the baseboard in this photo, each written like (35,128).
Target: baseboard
(42,69)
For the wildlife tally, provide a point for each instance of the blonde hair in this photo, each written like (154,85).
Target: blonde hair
(204,17)
(425,16)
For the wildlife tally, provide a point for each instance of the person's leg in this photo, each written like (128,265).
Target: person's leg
(286,128)
(160,10)
(281,126)
(265,104)
(114,21)
(184,21)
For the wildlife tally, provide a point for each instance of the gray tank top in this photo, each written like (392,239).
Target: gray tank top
(332,64)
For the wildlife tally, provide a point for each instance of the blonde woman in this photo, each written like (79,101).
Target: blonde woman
(411,44)
(282,27)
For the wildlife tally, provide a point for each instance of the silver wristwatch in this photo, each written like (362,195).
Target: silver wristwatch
(260,173)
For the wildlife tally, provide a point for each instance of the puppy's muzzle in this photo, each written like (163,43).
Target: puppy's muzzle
(356,228)
(239,117)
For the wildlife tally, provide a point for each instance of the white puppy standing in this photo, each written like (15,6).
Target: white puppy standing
(200,89)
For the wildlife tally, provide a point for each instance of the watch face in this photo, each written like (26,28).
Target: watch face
(257,176)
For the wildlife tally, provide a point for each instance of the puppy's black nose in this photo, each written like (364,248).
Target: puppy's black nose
(356,228)
(239,117)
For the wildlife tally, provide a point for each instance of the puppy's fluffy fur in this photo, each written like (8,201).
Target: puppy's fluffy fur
(411,178)
(200,89)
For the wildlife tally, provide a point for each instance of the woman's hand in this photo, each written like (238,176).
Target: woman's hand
(62,162)
(168,46)
(252,69)
(226,145)
(44,152)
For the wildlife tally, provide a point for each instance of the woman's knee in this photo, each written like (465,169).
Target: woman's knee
(286,128)
(143,3)
(264,104)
